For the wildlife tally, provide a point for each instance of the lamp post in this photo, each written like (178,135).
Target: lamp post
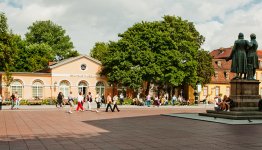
(197,92)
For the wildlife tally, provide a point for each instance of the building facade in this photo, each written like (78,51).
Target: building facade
(77,74)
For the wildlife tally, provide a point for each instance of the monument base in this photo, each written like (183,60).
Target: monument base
(245,95)
(235,115)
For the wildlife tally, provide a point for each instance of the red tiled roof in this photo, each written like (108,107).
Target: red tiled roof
(259,53)
(223,53)
(222,67)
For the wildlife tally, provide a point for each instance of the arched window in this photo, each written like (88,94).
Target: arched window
(100,88)
(64,87)
(17,86)
(82,87)
(37,89)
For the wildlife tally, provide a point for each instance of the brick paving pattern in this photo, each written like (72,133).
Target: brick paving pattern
(131,128)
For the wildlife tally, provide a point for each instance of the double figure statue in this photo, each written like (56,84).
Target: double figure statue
(244,57)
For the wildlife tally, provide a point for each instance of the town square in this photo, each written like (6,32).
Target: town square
(138,74)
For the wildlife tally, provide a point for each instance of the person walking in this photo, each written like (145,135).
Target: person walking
(17,101)
(174,99)
(12,98)
(1,99)
(60,98)
(115,99)
(103,100)
(89,101)
(98,101)
(71,103)
(80,99)
(109,102)
(121,98)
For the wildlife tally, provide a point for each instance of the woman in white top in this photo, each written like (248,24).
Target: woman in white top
(115,99)
(98,102)
(80,99)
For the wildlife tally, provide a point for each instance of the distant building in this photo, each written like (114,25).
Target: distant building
(77,74)
(220,82)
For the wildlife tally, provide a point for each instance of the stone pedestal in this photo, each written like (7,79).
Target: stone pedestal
(245,94)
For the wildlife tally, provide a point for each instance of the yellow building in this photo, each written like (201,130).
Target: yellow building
(74,74)
(220,82)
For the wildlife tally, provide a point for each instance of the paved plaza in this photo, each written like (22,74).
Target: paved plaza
(45,127)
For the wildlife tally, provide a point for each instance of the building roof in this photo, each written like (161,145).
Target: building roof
(223,53)
(65,61)
(222,67)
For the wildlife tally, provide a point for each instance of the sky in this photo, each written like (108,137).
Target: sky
(90,21)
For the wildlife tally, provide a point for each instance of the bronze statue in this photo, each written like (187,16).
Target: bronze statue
(252,58)
(238,56)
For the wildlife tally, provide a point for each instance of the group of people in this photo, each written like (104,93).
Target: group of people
(163,100)
(223,104)
(15,101)
(88,99)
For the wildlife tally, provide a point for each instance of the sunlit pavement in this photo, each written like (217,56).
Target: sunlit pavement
(134,127)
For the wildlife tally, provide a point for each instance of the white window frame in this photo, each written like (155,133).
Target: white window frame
(17,86)
(38,88)
(64,87)
(100,88)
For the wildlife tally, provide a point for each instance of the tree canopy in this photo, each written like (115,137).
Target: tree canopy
(162,52)
(8,49)
(100,50)
(53,35)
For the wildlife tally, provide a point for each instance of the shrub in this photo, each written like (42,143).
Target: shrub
(6,102)
(128,101)
(23,102)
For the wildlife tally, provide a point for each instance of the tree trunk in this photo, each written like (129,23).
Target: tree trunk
(147,87)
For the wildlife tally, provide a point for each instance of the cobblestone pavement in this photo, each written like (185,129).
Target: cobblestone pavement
(131,128)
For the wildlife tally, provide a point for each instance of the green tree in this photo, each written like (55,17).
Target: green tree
(163,52)
(205,68)
(8,50)
(99,51)
(53,35)
(33,57)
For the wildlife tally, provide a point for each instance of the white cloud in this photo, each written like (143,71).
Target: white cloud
(90,21)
